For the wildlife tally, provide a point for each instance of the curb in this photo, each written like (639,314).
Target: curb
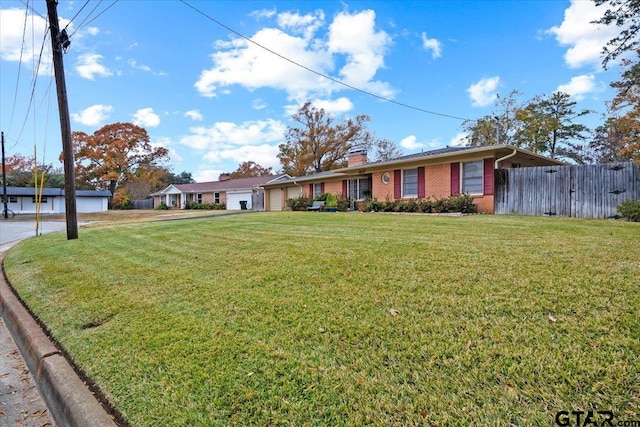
(67,397)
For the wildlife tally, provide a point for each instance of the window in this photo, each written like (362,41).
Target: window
(11,199)
(358,187)
(410,183)
(199,198)
(42,200)
(472,177)
(216,197)
(317,189)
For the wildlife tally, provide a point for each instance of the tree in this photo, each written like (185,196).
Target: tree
(321,142)
(20,172)
(547,126)
(624,14)
(113,153)
(249,169)
(387,150)
(606,144)
(181,178)
(625,110)
(497,128)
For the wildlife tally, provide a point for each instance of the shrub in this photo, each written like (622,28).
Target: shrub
(630,209)
(207,206)
(343,203)
(162,207)
(331,201)
(299,203)
(462,203)
(121,200)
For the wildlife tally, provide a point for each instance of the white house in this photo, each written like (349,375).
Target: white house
(22,200)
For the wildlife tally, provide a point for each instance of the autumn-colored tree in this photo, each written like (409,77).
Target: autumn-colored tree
(145,180)
(113,153)
(249,169)
(320,142)
(20,172)
(626,15)
(625,110)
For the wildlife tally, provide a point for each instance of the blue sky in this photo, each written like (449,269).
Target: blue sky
(215,100)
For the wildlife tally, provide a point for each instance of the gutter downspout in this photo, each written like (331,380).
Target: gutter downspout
(515,151)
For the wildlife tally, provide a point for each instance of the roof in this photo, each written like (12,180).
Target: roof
(305,178)
(228,185)
(452,152)
(54,192)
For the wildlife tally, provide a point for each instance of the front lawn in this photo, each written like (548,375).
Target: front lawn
(346,319)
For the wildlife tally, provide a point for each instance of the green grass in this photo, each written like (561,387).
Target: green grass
(346,319)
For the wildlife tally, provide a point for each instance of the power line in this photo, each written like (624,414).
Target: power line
(76,15)
(15,96)
(82,24)
(33,86)
(317,72)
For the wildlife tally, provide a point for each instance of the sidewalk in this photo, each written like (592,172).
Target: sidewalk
(38,387)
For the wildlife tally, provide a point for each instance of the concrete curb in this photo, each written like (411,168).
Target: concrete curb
(68,399)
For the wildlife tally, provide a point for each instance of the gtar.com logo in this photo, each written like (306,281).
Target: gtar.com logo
(585,418)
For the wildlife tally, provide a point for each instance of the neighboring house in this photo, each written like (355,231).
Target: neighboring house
(22,200)
(436,174)
(231,192)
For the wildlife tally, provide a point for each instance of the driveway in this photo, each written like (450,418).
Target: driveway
(13,231)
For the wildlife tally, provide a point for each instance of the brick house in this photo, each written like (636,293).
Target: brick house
(437,174)
(233,193)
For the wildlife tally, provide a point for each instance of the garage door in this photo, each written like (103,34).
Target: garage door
(234,199)
(275,199)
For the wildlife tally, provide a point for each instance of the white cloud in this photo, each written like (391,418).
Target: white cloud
(433,45)
(484,92)
(352,40)
(264,154)
(585,40)
(226,142)
(194,115)
(306,25)
(134,64)
(579,86)
(459,140)
(14,49)
(355,36)
(145,117)
(227,134)
(92,116)
(93,31)
(411,143)
(207,175)
(88,66)
(340,105)
(259,104)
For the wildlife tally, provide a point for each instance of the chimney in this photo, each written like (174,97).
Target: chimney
(356,157)
(224,177)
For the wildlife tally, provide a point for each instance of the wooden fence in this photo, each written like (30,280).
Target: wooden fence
(581,191)
(143,204)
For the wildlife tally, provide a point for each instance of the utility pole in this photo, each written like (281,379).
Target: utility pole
(5,212)
(497,130)
(59,41)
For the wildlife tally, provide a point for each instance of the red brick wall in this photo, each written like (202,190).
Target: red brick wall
(380,189)
(438,181)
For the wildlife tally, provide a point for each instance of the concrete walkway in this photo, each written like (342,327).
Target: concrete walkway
(37,385)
